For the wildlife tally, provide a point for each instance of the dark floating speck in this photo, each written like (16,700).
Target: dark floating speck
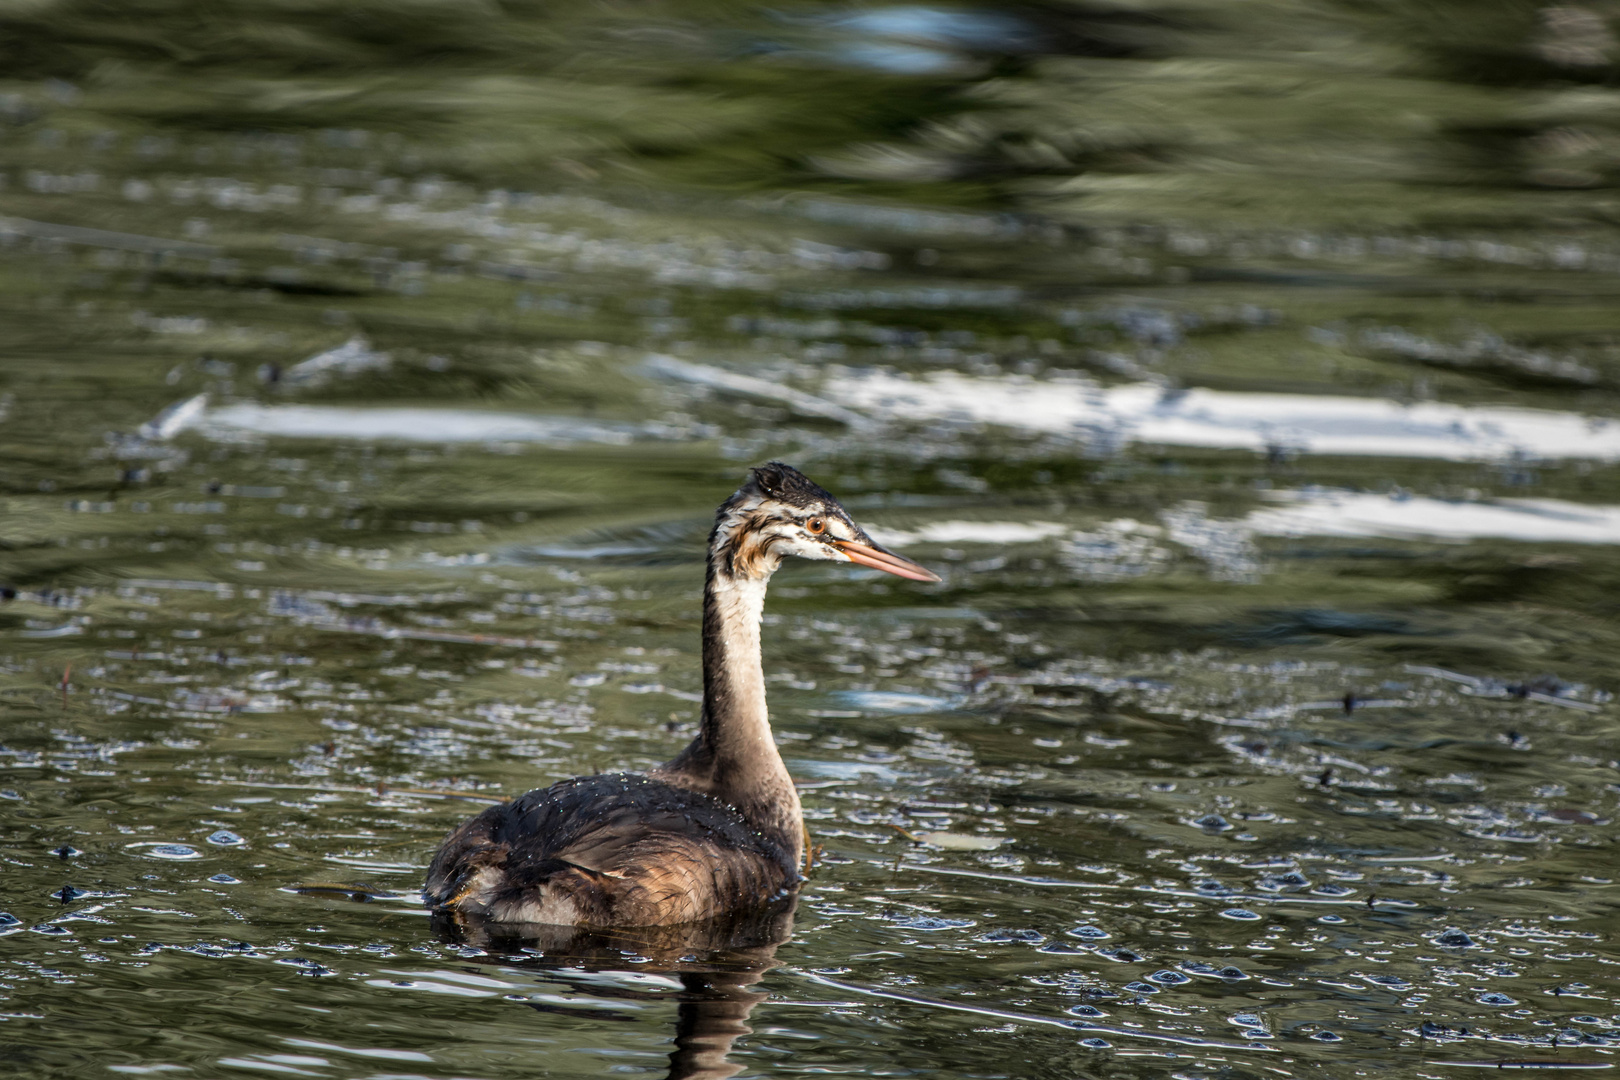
(1241,914)
(66,851)
(1326,1036)
(1088,932)
(306,966)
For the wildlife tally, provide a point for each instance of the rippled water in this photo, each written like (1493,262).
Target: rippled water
(370,373)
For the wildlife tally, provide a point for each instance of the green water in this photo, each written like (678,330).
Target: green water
(1094,805)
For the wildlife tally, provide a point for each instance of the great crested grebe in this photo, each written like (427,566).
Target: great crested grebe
(713,832)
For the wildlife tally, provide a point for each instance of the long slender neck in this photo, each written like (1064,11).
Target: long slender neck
(734,756)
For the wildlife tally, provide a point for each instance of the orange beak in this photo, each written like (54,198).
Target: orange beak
(887,561)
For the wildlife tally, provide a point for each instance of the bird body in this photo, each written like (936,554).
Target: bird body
(714,831)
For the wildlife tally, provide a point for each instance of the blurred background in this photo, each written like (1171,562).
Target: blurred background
(1249,370)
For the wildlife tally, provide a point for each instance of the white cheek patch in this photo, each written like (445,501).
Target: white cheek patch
(840,529)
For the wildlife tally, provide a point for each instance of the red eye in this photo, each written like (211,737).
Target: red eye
(816,526)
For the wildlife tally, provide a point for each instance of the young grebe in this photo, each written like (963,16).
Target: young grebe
(718,829)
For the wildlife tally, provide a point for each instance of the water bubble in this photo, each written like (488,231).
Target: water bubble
(1247,1020)
(1280,882)
(225,879)
(1326,1036)
(1088,932)
(1062,947)
(1090,1012)
(8,919)
(1096,1044)
(1213,823)
(1331,920)
(1169,978)
(1454,939)
(52,930)
(1141,988)
(224,838)
(1231,974)
(160,850)
(1241,914)
(931,922)
(1012,935)
(1496,999)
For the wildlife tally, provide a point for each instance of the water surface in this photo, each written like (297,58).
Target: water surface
(1248,371)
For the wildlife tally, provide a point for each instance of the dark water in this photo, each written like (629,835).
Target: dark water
(1248,370)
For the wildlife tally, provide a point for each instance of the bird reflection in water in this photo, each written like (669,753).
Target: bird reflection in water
(717,963)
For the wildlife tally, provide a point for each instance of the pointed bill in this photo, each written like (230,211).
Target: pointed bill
(887,561)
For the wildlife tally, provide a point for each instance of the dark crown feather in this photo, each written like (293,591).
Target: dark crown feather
(787,484)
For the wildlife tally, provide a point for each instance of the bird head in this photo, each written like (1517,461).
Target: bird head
(781,512)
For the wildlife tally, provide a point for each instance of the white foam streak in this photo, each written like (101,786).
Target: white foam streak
(970,532)
(408,425)
(174,419)
(1142,412)
(750,386)
(351,358)
(1418,518)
